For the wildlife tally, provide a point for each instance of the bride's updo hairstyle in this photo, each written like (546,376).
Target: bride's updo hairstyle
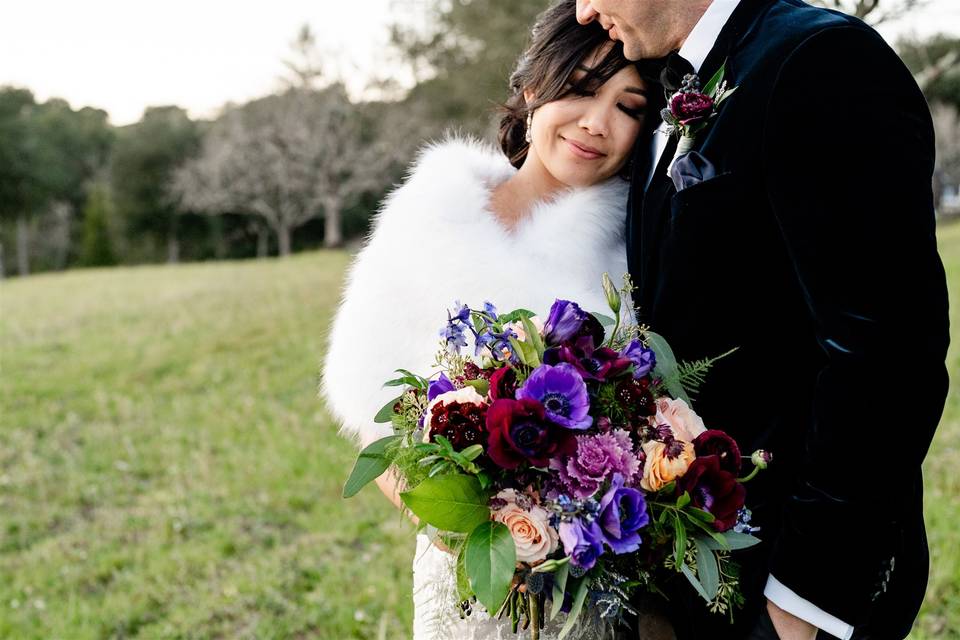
(558,45)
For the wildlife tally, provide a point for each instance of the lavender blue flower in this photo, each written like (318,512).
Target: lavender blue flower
(623,511)
(439,386)
(644,359)
(563,394)
(565,320)
(582,542)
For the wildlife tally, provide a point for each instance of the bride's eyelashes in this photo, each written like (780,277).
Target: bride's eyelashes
(634,112)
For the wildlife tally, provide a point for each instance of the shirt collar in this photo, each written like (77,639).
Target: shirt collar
(704,35)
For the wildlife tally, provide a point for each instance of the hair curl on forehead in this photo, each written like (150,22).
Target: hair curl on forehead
(559,46)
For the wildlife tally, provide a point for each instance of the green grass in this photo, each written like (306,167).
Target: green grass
(166,470)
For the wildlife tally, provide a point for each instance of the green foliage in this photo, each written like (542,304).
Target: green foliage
(450,502)
(97,249)
(490,557)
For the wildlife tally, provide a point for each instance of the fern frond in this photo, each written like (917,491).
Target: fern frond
(694,374)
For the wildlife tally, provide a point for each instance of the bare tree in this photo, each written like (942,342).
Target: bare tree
(286,159)
(946,125)
(873,12)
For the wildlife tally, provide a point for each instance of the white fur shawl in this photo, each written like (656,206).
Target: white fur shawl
(435,241)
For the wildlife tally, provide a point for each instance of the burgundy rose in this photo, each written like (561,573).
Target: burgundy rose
(714,442)
(714,490)
(503,383)
(519,432)
(691,107)
(463,424)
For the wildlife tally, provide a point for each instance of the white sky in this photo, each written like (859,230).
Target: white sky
(123,55)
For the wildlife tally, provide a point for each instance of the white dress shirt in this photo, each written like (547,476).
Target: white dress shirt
(695,49)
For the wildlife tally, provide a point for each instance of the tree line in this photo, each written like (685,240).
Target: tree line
(306,166)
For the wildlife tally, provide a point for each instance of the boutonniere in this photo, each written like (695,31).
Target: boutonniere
(690,110)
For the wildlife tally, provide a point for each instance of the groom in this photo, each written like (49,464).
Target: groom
(799,228)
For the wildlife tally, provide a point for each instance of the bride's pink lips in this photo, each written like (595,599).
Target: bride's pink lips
(582,151)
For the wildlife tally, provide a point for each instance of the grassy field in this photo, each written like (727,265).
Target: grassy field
(166,470)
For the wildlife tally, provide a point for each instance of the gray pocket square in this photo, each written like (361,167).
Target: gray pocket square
(689,169)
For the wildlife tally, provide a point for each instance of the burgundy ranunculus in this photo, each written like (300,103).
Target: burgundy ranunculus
(503,383)
(714,490)
(592,363)
(463,424)
(714,442)
(691,107)
(520,432)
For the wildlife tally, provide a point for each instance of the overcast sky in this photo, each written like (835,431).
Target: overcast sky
(123,55)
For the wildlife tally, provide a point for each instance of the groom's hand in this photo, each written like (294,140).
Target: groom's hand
(789,626)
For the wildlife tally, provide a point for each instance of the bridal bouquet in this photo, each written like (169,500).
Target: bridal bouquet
(562,460)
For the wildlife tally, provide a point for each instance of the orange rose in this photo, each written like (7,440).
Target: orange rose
(661,467)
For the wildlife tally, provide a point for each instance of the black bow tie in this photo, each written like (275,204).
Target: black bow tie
(668,71)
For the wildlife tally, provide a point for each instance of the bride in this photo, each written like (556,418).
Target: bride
(544,219)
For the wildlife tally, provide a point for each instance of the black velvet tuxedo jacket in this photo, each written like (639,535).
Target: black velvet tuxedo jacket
(812,251)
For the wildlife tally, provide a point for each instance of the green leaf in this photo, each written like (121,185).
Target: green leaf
(696,583)
(726,94)
(386,413)
(667,489)
(683,500)
(515,315)
(709,530)
(405,380)
(559,585)
(482,386)
(490,559)
(370,465)
(450,502)
(528,355)
(700,514)
(667,367)
(464,591)
(707,569)
(533,335)
(737,540)
(578,597)
(606,321)
(715,81)
(471,452)
(680,541)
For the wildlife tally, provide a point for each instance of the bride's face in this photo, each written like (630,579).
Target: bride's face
(585,138)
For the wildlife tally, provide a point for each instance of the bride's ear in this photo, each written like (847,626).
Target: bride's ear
(528,95)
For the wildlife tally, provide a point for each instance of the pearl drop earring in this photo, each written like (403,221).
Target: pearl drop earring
(528,136)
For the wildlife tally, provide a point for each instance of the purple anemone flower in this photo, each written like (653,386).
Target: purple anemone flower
(562,392)
(623,511)
(591,362)
(565,320)
(439,386)
(582,542)
(644,359)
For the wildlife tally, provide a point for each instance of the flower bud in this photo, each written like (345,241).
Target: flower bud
(613,295)
(761,458)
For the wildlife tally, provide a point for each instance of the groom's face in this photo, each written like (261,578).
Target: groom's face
(645,27)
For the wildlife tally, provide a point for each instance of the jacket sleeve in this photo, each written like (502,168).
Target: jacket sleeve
(848,155)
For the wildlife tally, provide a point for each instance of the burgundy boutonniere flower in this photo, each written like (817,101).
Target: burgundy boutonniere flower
(690,110)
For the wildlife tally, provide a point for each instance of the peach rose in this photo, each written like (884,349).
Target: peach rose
(532,534)
(660,468)
(465,395)
(685,424)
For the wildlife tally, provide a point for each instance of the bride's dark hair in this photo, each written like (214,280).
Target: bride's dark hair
(558,45)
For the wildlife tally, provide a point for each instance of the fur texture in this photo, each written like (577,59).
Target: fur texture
(435,241)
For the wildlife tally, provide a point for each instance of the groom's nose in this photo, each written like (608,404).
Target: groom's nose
(585,12)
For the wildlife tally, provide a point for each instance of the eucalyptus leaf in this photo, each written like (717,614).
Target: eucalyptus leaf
(667,368)
(736,540)
(695,582)
(490,557)
(559,586)
(606,321)
(707,569)
(578,597)
(386,413)
(370,465)
(450,502)
(680,541)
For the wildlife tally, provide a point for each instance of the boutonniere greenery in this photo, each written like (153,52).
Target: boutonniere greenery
(691,109)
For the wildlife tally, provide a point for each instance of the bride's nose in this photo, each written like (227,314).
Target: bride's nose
(596,121)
